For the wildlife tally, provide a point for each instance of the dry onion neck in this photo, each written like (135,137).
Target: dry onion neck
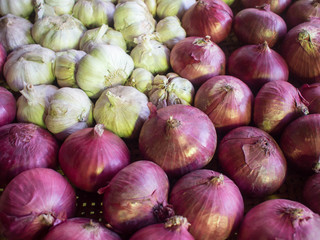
(46,219)
(217,180)
(162,213)
(176,222)
(305,40)
(91,226)
(264,7)
(98,130)
(316,167)
(172,123)
(202,41)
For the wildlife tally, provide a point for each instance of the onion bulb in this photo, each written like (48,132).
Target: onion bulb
(276,6)
(7,107)
(312,94)
(311,192)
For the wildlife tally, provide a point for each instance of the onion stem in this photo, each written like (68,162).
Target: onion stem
(176,221)
(173,123)
(316,167)
(162,213)
(98,129)
(217,180)
(91,226)
(47,219)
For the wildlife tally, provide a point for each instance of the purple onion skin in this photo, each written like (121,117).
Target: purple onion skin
(33,201)
(280,219)
(311,193)
(300,143)
(7,107)
(25,146)
(210,201)
(276,6)
(312,94)
(179,145)
(253,160)
(81,228)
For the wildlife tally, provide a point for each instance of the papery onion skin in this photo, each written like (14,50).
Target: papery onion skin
(25,146)
(227,101)
(312,94)
(210,201)
(3,57)
(33,201)
(253,160)
(276,6)
(8,107)
(90,157)
(300,143)
(208,17)
(280,219)
(311,192)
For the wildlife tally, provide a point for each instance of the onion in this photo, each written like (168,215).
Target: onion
(81,228)
(253,159)
(300,142)
(208,17)
(210,201)
(25,146)
(276,6)
(277,104)
(7,107)
(311,193)
(136,197)
(90,157)
(33,201)
(227,101)
(184,135)
(280,219)
(312,94)
(197,59)
(3,57)
(256,65)
(264,25)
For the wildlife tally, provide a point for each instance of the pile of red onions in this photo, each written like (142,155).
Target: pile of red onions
(311,193)
(7,107)
(276,6)
(312,94)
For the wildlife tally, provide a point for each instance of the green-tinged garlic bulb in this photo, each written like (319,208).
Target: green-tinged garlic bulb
(151,5)
(66,65)
(29,64)
(103,34)
(151,55)
(52,7)
(177,8)
(32,105)
(141,79)
(21,8)
(70,110)
(169,31)
(15,32)
(170,90)
(104,66)
(58,33)
(122,110)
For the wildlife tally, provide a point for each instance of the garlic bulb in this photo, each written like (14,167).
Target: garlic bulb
(151,55)
(58,33)
(32,105)
(103,34)
(104,66)
(14,32)
(122,110)
(170,90)
(29,64)
(66,65)
(141,79)
(52,7)
(70,110)
(151,5)
(177,8)
(20,8)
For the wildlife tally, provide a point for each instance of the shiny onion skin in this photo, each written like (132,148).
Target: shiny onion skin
(33,201)
(90,157)
(276,105)
(81,229)
(208,18)
(227,101)
(197,59)
(253,160)
(311,193)
(312,94)
(276,6)
(3,58)
(280,219)
(25,146)
(300,143)
(256,25)
(8,107)
(210,201)
(179,138)
(137,196)
(256,65)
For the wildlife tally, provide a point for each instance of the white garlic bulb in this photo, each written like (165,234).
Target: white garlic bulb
(141,79)
(52,7)
(20,8)
(177,8)
(151,5)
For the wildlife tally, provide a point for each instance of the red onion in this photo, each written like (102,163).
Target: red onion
(208,17)
(312,94)
(253,160)
(210,201)
(175,228)
(300,142)
(256,65)
(25,146)
(81,228)
(197,59)
(276,104)
(3,57)
(7,107)
(33,201)
(179,138)
(276,6)
(311,193)
(256,25)
(280,219)
(90,157)
(227,101)
(136,197)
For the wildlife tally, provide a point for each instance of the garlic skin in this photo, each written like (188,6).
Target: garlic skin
(151,5)
(20,8)
(58,33)
(104,66)
(141,79)
(52,7)
(29,64)
(32,105)
(177,8)
(15,32)
(122,110)
(65,67)
(70,110)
